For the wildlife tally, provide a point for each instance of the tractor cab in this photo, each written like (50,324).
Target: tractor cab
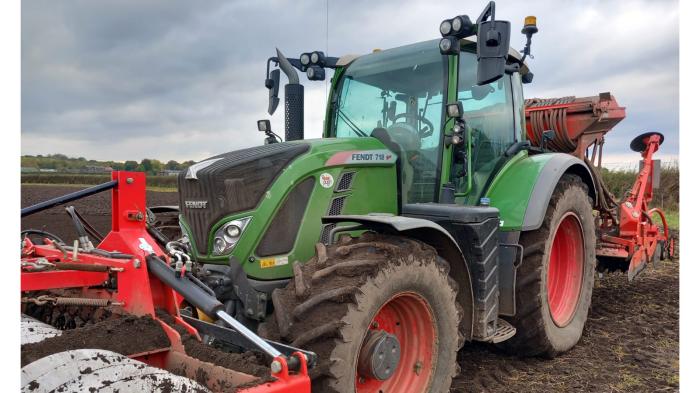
(399,96)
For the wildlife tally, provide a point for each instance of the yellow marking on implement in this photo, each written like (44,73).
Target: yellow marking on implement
(201,315)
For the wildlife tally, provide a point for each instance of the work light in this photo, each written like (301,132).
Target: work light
(315,73)
(462,26)
(455,110)
(318,58)
(305,59)
(445,27)
(449,45)
(264,125)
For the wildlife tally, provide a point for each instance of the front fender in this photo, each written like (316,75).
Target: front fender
(430,233)
(522,189)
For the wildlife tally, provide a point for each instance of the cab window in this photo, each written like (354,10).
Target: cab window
(488,111)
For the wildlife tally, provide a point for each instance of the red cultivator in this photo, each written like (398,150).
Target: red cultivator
(626,231)
(137,278)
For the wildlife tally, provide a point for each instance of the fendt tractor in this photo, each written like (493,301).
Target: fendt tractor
(439,207)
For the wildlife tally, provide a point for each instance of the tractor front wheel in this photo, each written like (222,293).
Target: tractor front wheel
(555,280)
(380,312)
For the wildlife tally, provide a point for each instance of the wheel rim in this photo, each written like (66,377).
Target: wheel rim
(409,318)
(565,274)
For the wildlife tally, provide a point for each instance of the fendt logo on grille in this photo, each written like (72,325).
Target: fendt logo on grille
(196,204)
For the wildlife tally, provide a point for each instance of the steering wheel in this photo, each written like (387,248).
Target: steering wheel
(423,132)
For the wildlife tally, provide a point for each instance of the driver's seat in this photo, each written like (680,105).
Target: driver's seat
(405,170)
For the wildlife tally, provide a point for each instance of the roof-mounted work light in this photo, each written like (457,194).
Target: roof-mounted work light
(460,26)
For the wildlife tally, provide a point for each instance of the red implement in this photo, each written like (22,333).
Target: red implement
(120,277)
(578,127)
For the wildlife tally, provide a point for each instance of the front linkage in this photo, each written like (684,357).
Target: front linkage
(139,279)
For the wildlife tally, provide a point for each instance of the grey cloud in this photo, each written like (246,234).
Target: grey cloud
(180,79)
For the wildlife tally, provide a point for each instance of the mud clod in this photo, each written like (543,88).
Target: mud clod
(126,335)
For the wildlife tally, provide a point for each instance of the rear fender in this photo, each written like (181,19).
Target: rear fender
(427,232)
(522,189)
(547,180)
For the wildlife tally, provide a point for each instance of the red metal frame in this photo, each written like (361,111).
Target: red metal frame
(636,237)
(579,126)
(137,291)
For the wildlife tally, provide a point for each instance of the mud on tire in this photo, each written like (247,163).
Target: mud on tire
(537,332)
(332,300)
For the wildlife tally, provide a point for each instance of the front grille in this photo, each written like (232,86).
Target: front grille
(232,182)
(282,232)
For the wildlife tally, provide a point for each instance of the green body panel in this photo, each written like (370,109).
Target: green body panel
(373,190)
(512,187)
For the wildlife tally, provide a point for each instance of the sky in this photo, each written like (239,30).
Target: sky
(129,79)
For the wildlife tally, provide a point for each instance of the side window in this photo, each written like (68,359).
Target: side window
(488,111)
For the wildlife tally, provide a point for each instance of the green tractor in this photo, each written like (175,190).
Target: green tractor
(422,219)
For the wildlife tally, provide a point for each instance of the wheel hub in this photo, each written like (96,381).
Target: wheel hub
(379,356)
(399,347)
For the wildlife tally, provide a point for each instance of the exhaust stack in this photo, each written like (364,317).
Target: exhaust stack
(293,101)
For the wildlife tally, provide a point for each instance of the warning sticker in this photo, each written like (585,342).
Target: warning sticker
(326,180)
(272,262)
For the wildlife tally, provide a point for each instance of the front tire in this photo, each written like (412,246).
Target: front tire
(555,280)
(342,302)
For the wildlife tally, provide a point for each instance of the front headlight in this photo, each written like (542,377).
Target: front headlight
(227,236)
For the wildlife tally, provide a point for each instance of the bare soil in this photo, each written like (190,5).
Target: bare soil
(95,208)
(629,344)
(126,335)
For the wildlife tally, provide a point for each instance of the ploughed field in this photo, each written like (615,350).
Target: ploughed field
(630,343)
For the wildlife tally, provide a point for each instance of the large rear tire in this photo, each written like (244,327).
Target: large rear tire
(555,280)
(368,306)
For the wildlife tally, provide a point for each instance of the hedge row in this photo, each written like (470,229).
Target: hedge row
(665,197)
(619,183)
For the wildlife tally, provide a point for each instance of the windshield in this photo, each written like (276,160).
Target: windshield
(401,91)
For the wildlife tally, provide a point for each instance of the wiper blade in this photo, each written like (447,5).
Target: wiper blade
(352,125)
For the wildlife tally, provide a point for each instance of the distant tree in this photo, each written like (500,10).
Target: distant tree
(172,165)
(146,164)
(131,166)
(187,164)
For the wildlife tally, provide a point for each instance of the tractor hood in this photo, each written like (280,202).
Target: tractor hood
(230,183)
(273,182)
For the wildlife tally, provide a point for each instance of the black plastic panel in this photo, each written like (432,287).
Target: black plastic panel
(282,232)
(475,229)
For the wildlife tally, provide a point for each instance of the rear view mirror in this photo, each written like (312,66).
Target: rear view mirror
(493,42)
(273,84)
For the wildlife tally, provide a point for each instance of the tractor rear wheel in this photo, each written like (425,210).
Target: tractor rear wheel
(381,313)
(555,280)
